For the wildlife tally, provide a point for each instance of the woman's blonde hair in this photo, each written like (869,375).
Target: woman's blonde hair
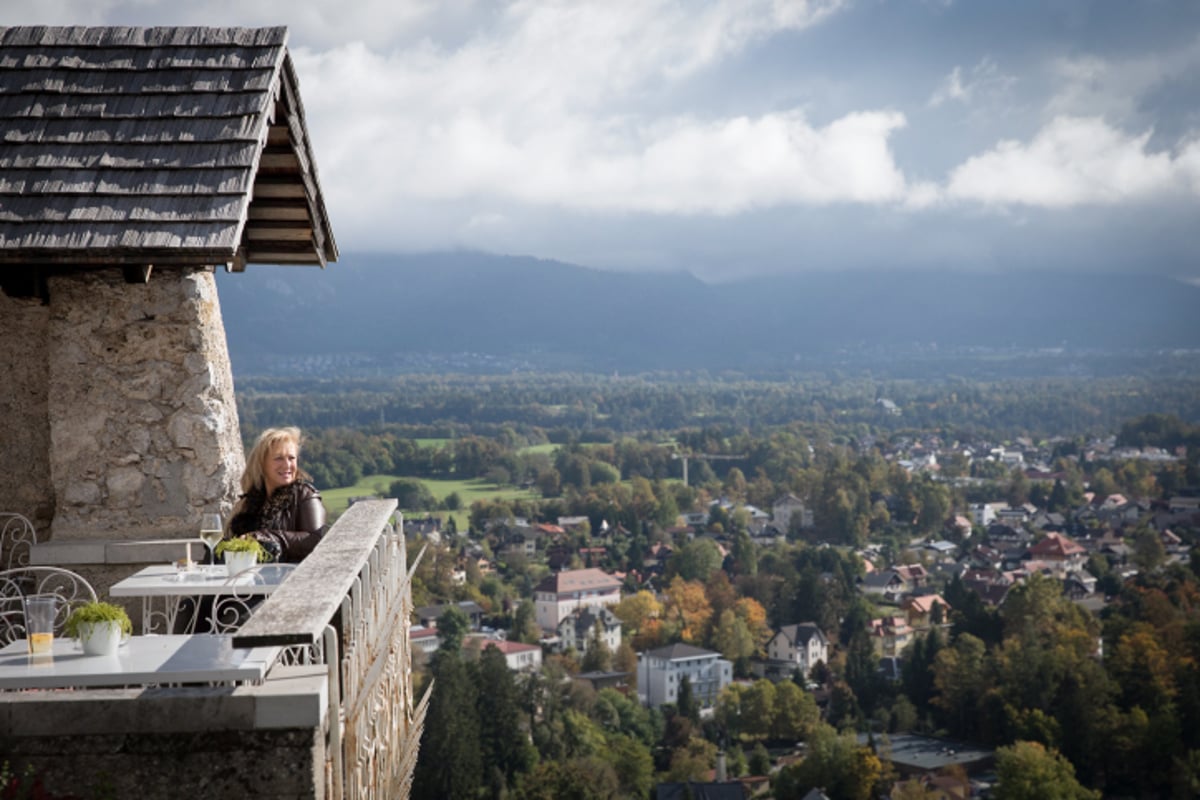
(254,478)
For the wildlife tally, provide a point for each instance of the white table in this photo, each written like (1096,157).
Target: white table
(163,589)
(140,661)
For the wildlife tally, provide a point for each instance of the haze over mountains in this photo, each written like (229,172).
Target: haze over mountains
(376,313)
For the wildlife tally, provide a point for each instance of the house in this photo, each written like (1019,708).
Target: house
(801,646)
(563,592)
(935,787)
(992,586)
(697,790)
(428,615)
(1183,505)
(942,549)
(579,629)
(519,656)
(890,635)
(1065,554)
(604,680)
(886,583)
(895,582)
(789,508)
(1015,515)
(423,642)
(919,610)
(661,671)
(984,514)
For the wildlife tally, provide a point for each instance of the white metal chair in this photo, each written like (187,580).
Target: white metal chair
(17,538)
(71,587)
(231,611)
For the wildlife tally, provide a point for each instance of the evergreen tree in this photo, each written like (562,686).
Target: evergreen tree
(504,748)
(450,763)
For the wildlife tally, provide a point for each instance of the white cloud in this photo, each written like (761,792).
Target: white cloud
(1072,161)
(985,79)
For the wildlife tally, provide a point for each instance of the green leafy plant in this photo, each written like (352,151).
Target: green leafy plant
(91,613)
(243,544)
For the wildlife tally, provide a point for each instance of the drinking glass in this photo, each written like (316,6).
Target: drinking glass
(40,611)
(210,532)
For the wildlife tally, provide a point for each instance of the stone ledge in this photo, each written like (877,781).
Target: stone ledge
(290,698)
(148,551)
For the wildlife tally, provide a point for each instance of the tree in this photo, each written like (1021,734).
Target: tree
(633,765)
(625,660)
(549,482)
(834,762)
(503,748)
(935,507)
(412,495)
(759,762)
(758,708)
(525,628)
(450,765)
(796,713)
(686,702)
(734,640)
(598,657)
(693,762)
(452,627)
(1027,771)
(586,778)
(687,609)
(1148,551)
(696,560)
(636,610)
(959,680)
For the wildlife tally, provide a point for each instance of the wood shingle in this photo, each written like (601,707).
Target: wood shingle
(154,146)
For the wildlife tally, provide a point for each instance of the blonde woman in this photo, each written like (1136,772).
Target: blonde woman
(279,506)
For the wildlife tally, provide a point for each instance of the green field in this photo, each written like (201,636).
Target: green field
(337,500)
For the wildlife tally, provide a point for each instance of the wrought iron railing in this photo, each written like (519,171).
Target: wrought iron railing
(351,601)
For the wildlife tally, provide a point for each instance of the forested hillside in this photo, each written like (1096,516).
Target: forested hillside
(466,312)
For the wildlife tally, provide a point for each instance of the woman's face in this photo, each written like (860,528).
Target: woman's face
(280,469)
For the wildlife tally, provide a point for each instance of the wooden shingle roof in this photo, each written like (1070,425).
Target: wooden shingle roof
(155,146)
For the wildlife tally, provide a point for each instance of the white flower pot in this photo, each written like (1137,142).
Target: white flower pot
(235,562)
(100,638)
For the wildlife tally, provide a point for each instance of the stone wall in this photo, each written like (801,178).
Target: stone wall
(264,741)
(143,424)
(24,422)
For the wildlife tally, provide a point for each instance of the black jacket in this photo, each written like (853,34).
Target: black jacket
(289,523)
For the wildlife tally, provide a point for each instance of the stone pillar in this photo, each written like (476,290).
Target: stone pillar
(143,424)
(24,424)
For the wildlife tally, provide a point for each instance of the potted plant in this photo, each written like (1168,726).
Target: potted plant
(99,626)
(240,553)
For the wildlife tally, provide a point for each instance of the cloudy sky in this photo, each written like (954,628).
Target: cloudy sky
(726,137)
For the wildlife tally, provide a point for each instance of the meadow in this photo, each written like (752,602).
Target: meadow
(338,500)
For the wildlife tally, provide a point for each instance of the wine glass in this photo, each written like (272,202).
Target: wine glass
(211,533)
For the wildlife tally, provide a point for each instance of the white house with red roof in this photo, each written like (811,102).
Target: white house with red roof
(563,592)
(521,657)
(1060,552)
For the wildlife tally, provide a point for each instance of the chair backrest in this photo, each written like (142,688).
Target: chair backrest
(17,538)
(230,612)
(71,587)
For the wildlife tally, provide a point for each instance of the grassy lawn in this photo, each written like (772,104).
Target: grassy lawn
(547,448)
(337,500)
(432,442)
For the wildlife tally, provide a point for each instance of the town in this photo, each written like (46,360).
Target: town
(724,643)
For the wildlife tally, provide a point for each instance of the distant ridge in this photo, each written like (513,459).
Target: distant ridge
(401,309)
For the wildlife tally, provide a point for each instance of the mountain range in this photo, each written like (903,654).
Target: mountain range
(466,311)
